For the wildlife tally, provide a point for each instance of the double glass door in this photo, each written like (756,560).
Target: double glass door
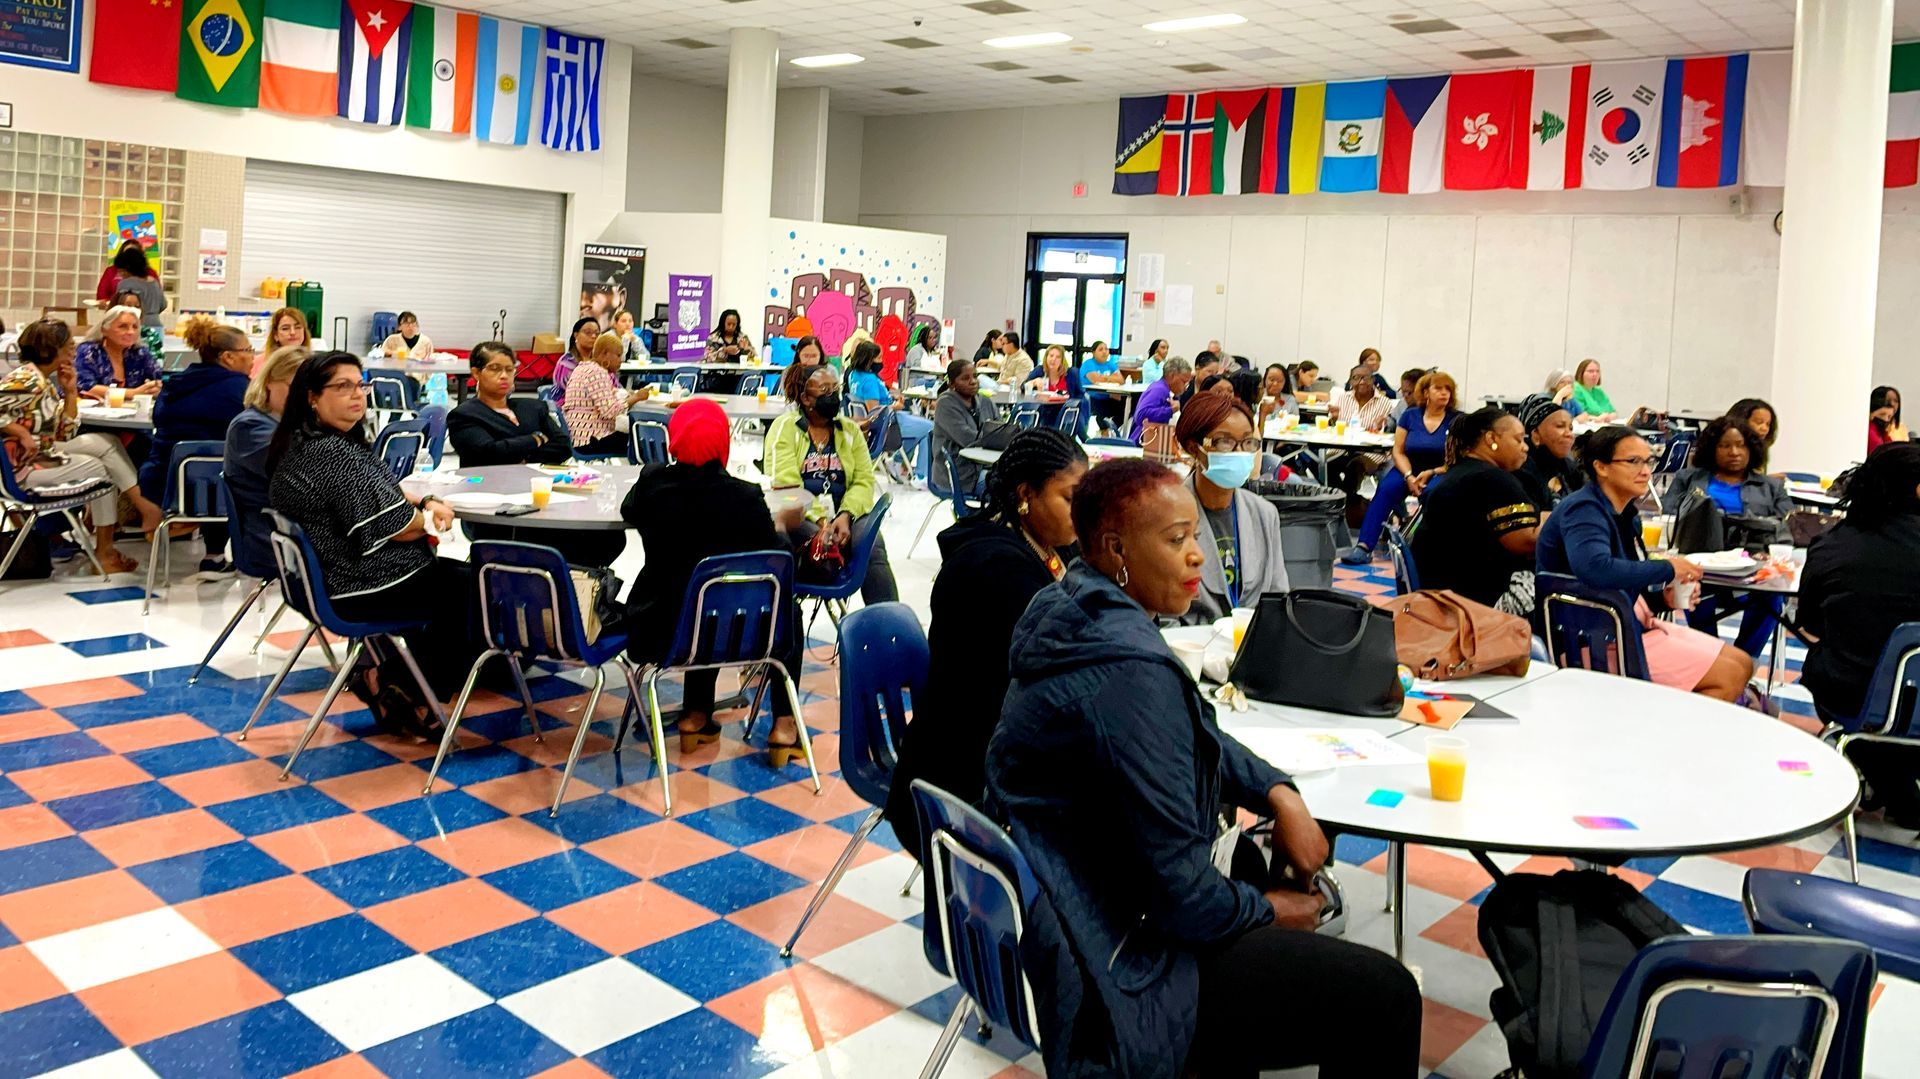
(1076,288)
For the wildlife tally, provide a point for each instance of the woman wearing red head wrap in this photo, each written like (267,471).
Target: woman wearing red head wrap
(684,512)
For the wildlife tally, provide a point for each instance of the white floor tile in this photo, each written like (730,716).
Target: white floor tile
(110,951)
(1710,875)
(379,1005)
(876,886)
(1893,1038)
(896,1045)
(1484,1054)
(119,1064)
(595,1007)
(891,964)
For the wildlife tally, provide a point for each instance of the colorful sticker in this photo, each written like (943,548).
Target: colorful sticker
(1607,824)
(1384,798)
(1800,768)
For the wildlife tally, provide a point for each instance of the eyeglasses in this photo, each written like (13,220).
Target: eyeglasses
(342,386)
(1635,463)
(1225,445)
(500,369)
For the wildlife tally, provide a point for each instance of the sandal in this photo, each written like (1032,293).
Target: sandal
(693,740)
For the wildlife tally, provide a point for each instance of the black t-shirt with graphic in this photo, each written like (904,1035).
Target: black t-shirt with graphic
(1456,542)
(821,470)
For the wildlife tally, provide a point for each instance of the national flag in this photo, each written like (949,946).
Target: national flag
(1243,141)
(1702,108)
(1903,117)
(1301,126)
(440,72)
(571,118)
(505,55)
(1483,108)
(1550,137)
(220,52)
(136,43)
(376,38)
(1350,143)
(1186,148)
(1623,106)
(1412,148)
(1769,89)
(300,57)
(1136,149)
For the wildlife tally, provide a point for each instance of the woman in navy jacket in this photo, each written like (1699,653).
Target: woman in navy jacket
(197,405)
(1110,773)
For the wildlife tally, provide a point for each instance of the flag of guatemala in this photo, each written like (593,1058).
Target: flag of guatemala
(1350,148)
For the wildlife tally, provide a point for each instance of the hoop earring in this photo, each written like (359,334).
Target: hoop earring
(1122,581)
(1023,508)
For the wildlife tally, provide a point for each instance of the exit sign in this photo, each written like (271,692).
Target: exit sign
(1080,190)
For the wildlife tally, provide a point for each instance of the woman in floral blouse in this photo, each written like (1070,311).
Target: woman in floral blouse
(594,405)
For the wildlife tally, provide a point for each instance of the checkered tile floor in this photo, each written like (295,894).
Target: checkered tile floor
(167,907)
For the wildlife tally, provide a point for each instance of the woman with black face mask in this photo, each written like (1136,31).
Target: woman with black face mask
(815,447)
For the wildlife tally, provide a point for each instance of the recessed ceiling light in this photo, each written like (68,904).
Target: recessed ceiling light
(830,59)
(1574,37)
(1501,53)
(1004,65)
(1056,79)
(1027,41)
(1425,26)
(910,43)
(996,7)
(688,43)
(1197,22)
(904,91)
(1199,69)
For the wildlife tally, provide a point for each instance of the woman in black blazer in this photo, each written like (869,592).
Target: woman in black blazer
(491,428)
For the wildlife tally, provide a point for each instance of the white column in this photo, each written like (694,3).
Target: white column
(1830,248)
(746,185)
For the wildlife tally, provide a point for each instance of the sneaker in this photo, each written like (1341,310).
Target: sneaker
(1358,556)
(214,569)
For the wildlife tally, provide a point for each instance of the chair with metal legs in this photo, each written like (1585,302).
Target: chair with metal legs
(194,495)
(305,590)
(268,575)
(1891,713)
(832,596)
(528,611)
(31,504)
(883,668)
(1797,904)
(1592,628)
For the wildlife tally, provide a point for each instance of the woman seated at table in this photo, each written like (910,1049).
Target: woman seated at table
(1276,395)
(1409,388)
(1057,377)
(117,358)
(1477,529)
(1729,468)
(1239,532)
(728,343)
(1305,375)
(198,404)
(1588,396)
(633,347)
(1559,387)
(1205,366)
(287,329)
(1760,418)
(406,342)
(39,420)
(372,540)
(1550,473)
(1153,364)
(1419,452)
(1022,541)
(813,445)
(1858,587)
(962,417)
(807,353)
(1109,771)
(923,349)
(1162,399)
(580,343)
(1101,368)
(491,428)
(1883,418)
(865,386)
(989,346)
(732,517)
(595,406)
(245,464)
(1595,537)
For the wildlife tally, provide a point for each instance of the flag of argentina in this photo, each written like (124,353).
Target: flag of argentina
(506,56)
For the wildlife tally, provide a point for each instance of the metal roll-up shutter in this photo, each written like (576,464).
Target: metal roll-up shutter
(453,253)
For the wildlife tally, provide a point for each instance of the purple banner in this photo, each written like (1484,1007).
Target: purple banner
(689,316)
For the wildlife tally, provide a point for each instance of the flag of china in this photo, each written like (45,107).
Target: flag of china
(137,43)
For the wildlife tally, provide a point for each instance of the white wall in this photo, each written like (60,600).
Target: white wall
(677,137)
(846,147)
(800,153)
(1673,290)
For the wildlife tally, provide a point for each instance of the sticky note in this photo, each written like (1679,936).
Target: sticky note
(1796,767)
(1384,798)
(1606,824)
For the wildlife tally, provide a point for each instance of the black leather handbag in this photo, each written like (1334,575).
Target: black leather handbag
(1316,648)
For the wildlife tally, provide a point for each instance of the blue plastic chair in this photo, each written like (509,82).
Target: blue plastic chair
(267,574)
(1703,1007)
(739,608)
(688,379)
(1069,418)
(1891,712)
(749,385)
(1796,904)
(528,612)
(833,596)
(647,443)
(965,503)
(398,446)
(1802,477)
(31,504)
(984,891)
(560,420)
(435,417)
(1131,444)
(1406,577)
(1026,416)
(394,392)
(1591,628)
(304,586)
(883,669)
(384,325)
(193,495)
(1674,457)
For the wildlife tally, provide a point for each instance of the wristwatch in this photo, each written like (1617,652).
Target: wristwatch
(424,499)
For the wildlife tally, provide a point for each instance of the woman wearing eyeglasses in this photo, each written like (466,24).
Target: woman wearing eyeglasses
(1239,532)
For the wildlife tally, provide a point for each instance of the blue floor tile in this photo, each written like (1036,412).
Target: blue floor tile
(321,953)
(11,795)
(711,961)
(158,702)
(104,809)
(1894,856)
(752,773)
(518,957)
(273,1039)
(48,749)
(488,1041)
(631,765)
(745,821)
(52,1034)
(425,817)
(191,756)
(276,810)
(939,1007)
(690,1046)
(329,762)
(1701,910)
(507,723)
(588,819)
(882,836)
(112,646)
(90,597)
(48,863)
(1358,850)
(378,878)
(12,700)
(7,939)
(730,882)
(559,879)
(465,767)
(208,872)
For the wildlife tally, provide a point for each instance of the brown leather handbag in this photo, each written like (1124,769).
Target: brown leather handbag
(1441,635)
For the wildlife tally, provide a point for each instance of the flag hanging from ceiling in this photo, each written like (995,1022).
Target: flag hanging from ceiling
(136,43)
(505,55)
(1483,108)
(1136,149)
(300,57)
(1703,105)
(1186,148)
(1769,87)
(440,72)
(1302,122)
(1903,117)
(1623,107)
(571,118)
(375,40)
(1350,143)
(220,52)
(1552,134)
(1412,149)
(1243,141)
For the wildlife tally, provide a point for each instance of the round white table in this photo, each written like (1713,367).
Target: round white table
(1319,441)
(118,419)
(477,493)
(737,406)
(1096,454)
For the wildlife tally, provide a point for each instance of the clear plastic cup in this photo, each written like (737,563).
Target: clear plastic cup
(1320,422)
(542,489)
(116,396)
(1242,618)
(1447,766)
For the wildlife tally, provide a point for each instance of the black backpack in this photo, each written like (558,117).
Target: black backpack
(1559,944)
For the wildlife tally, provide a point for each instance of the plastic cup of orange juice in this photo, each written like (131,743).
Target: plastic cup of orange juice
(1242,618)
(1447,766)
(542,491)
(1320,422)
(116,396)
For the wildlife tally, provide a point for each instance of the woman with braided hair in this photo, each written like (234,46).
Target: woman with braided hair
(991,565)
(1477,529)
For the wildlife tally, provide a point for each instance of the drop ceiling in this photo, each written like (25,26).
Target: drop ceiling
(1283,41)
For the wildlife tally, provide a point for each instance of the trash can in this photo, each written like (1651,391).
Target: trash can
(1311,520)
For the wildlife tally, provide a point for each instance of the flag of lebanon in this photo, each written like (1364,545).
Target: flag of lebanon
(1554,132)
(300,56)
(440,74)
(1903,117)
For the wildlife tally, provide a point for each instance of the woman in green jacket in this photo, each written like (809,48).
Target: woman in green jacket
(815,447)
(1587,394)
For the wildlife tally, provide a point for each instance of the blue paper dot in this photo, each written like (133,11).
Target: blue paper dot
(863,251)
(843,250)
(774,292)
(793,235)
(820,262)
(915,266)
(923,280)
(888,262)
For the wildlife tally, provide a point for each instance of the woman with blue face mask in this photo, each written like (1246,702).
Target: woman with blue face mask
(1239,531)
